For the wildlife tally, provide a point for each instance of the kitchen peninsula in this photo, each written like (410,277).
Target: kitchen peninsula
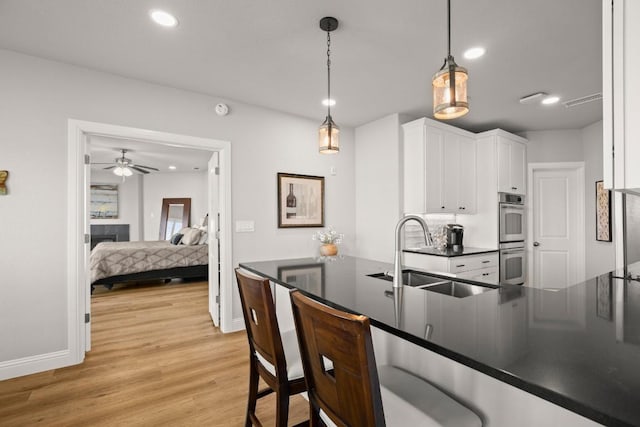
(578,348)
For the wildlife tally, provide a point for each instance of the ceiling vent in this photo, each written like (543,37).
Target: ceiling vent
(583,100)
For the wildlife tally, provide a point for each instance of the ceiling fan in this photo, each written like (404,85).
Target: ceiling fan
(124,167)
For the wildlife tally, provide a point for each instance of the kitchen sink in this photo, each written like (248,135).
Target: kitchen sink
(456,289)
(430,283)
(412,278)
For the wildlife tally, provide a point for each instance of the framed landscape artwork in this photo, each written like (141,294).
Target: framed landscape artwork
(300,200)
(104,201)
(603,213)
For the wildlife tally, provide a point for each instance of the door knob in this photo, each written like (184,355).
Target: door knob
(536,244)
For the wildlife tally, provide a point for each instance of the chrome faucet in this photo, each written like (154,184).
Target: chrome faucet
(397,260)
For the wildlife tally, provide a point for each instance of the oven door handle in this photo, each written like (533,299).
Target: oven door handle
(517,251)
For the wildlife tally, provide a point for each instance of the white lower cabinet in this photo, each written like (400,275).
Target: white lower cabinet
(480,268)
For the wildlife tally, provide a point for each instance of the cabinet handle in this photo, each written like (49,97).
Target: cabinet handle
(442,207)
(486,262)
(460,265)
(514,188)
(485,274)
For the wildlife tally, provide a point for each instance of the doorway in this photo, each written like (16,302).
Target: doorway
(78,222)
(556,224)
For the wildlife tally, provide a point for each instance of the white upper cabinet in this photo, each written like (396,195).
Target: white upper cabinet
(621,94)
(439,168)
(512,163)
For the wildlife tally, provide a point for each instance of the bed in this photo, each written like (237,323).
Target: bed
(118,262)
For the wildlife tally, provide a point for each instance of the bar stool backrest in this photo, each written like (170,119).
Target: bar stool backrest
(349,394)
(261,323)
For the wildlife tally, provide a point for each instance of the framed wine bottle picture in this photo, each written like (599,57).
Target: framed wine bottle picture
(300,200)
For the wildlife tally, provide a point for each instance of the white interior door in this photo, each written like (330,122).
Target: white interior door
(213,229)
(557,243)
(87,245)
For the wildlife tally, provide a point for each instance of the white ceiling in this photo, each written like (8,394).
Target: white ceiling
(106,150)
(272,53)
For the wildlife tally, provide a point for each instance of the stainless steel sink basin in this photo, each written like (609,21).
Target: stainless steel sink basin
(412,278)
(456,289)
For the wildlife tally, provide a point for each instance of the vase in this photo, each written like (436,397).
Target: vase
(328,249)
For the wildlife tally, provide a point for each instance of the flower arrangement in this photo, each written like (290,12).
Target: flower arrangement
(330,236)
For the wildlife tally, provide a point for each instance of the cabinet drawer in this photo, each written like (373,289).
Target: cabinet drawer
(484,275)
(472,262)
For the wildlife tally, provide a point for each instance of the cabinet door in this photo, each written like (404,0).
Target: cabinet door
(450,173)
(518,167)
(414,169)
(466,176)
(504,171)
(433,167)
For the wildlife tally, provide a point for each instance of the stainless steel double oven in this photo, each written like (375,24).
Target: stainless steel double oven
(513,261)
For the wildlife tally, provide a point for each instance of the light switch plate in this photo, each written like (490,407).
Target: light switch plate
(245,226)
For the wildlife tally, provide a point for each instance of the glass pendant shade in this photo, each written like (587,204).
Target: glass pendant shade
(120,171)
(329,137)
(450,101)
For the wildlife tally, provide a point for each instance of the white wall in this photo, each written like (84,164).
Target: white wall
(554,146)
(129,209)
(600,256)
(159,186)
(38,98)
(378,187)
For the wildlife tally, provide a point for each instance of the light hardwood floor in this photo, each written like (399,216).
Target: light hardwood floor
(156,360)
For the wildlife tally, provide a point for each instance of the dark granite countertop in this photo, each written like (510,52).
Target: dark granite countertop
(449,252)
(577,347)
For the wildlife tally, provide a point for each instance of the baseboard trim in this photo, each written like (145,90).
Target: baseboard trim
(34,364)
(236,325)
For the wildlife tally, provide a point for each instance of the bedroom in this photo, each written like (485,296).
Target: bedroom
(134,208)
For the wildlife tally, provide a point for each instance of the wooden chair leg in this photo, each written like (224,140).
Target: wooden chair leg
(253,393)
(282,409)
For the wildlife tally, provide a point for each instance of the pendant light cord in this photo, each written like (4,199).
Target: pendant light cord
(449,28)
(328,74)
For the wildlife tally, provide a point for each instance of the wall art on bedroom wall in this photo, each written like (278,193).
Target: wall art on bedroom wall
(104,201)
(3,179)
(300,200)
(603,213)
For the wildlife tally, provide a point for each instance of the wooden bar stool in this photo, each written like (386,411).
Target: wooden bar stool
(273,357)
(355,392)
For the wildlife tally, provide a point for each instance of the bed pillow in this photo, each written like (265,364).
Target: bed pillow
(203,238)
(175,239)
(191,236)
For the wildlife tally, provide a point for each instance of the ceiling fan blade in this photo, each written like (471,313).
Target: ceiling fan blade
(109,167)
(137,169)
(109,163)
(146,167)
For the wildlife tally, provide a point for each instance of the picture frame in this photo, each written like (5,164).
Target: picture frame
(104,201)
(603,213)
(306,277)
(300,200)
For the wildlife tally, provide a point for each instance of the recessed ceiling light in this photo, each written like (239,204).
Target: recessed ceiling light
(163,18)
(474,52)
(172,168)
(550,100)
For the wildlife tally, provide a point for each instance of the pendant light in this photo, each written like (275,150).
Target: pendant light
(329,132)
(450,84)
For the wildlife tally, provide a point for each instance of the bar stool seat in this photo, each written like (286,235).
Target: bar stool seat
(291,353)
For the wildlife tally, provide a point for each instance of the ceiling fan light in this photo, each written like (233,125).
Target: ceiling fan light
(450,102)
(122,171)
(329,137)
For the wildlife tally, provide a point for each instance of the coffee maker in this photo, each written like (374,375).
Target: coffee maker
(454,237)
